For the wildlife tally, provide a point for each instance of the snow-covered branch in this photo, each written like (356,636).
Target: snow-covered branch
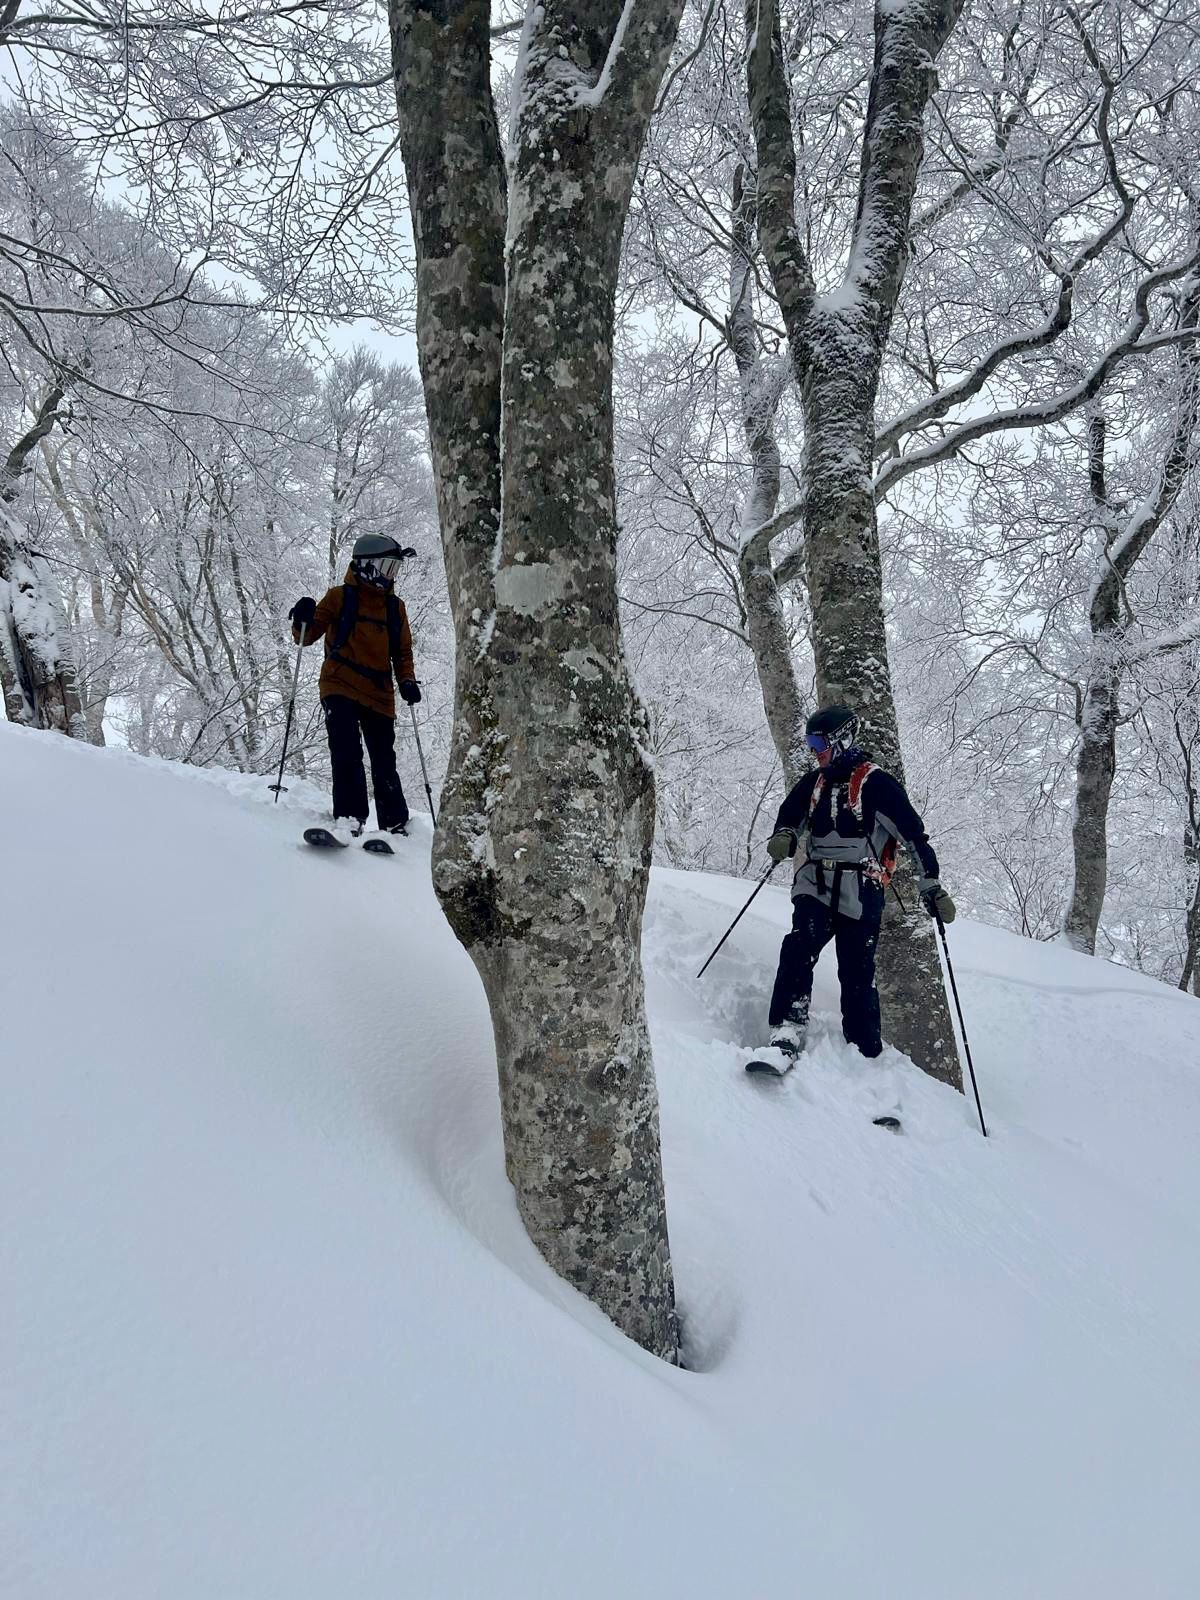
(1162,644)
(909,36)
(1133,343)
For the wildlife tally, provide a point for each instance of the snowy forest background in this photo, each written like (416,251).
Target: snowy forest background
(208,391)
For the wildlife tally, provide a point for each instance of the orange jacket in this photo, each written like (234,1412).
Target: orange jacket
(368,646)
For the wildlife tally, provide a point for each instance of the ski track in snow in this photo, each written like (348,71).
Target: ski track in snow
(271,1325)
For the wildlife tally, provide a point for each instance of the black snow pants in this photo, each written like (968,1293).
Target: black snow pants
(344,718)
(855,939)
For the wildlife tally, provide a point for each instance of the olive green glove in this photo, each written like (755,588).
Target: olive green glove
(936,901)
(781,845)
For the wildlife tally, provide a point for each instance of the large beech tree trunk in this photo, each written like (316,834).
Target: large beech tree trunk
(836,344)
(542,855)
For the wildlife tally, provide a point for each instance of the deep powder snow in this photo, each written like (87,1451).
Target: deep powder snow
(270,1326)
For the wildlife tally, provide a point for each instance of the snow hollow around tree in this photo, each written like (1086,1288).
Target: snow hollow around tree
(271,1329)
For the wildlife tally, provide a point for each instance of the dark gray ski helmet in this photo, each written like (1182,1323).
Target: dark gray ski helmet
(374,545)
(377,559)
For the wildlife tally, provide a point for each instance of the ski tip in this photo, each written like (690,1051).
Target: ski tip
(892,1123)
(768,1069)
(322,839)
(378,847)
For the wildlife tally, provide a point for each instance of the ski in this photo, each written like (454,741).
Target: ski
(769,1068)
(323,839)
(892,1123)
(378,847)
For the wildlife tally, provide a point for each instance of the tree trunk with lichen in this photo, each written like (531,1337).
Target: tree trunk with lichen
(845,585)
(1095,769)
(542,853)
(1125,540)
(836,344)
(37,674)
(761,388)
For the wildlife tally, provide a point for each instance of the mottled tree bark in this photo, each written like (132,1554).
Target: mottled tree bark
(837,343)
(37,675)
(543,848)
(761,390)
(1191,855)
(94,695)
(1095,769)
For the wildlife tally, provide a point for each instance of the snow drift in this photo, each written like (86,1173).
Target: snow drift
(271,1326)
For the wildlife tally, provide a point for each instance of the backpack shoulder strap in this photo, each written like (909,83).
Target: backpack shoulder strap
(855,787)
(817,790)
(347,617)
(393,622)
(881,868)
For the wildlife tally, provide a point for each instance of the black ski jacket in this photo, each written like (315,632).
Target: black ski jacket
(837,838)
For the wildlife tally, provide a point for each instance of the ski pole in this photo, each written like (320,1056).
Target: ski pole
(739,916)
(278,785)
(424,769)
(962,1025)
(953,989)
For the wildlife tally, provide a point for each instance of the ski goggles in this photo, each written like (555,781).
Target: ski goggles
(387,567)
(817,743)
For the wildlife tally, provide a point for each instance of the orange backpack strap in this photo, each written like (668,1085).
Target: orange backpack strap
(858,777)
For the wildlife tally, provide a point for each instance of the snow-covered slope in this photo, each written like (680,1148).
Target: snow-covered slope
(271,1329)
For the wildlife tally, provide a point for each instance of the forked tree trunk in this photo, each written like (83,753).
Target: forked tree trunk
(543,847)
(836,345)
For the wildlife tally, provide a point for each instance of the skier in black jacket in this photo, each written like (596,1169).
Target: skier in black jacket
(855,815)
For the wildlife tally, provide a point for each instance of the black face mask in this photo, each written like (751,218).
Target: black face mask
(844,763)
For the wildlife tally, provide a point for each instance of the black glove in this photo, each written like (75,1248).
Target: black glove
(303,611)
(936,901)
(781,845)
(410,691)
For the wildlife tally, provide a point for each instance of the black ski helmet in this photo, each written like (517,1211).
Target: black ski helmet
(838,724)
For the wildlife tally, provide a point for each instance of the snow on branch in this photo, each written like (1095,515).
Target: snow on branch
(593,96)
(548,82)
(955,394)
(1059,320)
(1174,639)
(909,35)
(770,110)
(1133,342)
